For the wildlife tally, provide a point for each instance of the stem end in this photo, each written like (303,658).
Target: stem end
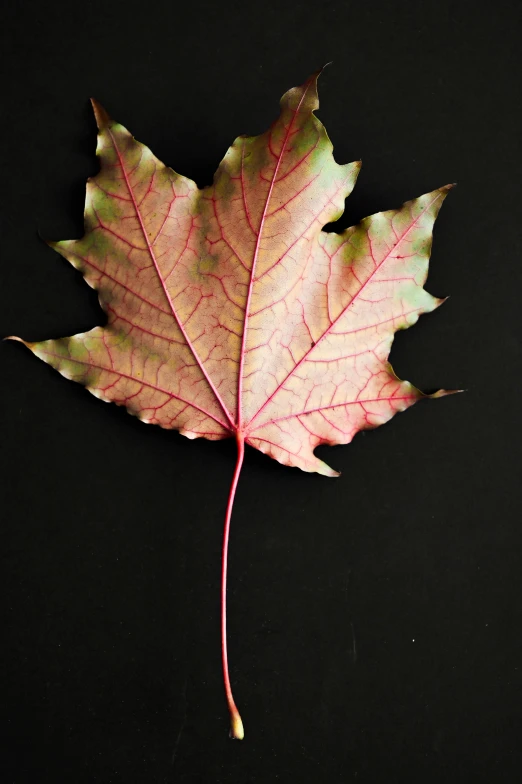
(237,731)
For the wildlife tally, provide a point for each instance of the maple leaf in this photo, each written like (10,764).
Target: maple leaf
(231,312)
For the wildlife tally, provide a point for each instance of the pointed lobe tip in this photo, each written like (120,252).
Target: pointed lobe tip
(101,116)
(19,340)
(446,392)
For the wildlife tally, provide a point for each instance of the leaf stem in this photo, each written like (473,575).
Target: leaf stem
(236,725)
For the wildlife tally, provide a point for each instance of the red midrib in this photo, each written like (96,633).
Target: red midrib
(140,381)
(252,269)
(339,405)
(326,332)
(165,289)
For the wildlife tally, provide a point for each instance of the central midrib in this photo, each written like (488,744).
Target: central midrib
(254,260)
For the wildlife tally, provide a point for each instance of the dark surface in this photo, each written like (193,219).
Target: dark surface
(375,620)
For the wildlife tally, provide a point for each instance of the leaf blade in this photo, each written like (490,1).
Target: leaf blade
(229,309)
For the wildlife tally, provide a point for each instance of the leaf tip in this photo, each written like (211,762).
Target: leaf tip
(19,340)
(441,300)
(101,116)
(445,393)
(316,74)
(325,470)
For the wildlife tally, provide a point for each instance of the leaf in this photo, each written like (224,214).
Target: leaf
(231,312)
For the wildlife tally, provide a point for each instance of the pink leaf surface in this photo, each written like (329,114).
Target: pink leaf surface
(230,311)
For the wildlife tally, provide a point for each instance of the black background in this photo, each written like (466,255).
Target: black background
(375,620)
